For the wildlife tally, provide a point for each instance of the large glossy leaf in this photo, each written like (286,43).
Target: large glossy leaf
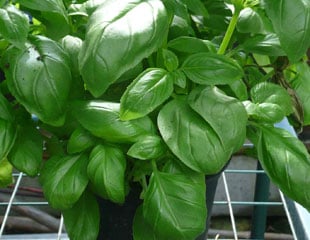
(301,84)
(211,69)
(268,44)
(175,205)
(102,120)
(5,173)
(148,147)
(7,137)
(286,161)
(117,40)
(64,179)
(39,77)
(272,100)
(82,220)
(52,13)
(106,171)
(150,89)
(226,115)
(191,138)
(14,25)
(291,22)
(27,151)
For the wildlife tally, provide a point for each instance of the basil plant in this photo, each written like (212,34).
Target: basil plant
(100,94)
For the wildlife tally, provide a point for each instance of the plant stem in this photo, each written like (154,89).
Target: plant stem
(154,166)
(229,32)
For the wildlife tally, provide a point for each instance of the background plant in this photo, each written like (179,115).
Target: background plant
(155,92)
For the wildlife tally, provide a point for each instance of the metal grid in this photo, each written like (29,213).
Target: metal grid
(297,216)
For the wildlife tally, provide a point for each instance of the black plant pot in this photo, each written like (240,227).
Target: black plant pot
(116,221)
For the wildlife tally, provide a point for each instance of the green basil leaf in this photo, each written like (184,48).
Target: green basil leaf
(52,13)
(106,54)
(196,7)
(141,229)
(239,89)
(179,78)
(187,44)
(290,20)
(191,138)
(148,147)
(249,21)
(7,137)
(226,115)
(181,21)
(271,93)
(5,173)
(150,89)
(211,68)
(106,171)
(72,45)
(82,220)
(165,200)
(64,179)
(286,161)
(264,112)
(6,111)
(102,120)
(301,84)
(14,25)
(268,44)
(39,77)
(170,60)
(80,140)
(2,2)
(27,151)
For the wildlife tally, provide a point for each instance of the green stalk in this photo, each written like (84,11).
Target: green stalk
(229,32)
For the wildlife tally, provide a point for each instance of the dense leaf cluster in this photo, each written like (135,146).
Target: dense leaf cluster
(99,94)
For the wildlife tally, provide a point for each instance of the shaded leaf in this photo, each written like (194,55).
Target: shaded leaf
(6,111)
(187,44)
(148,147)
(64,179)
(175,205)
(7,137)
(106,171)
(141,229)
(52,13)
(82,220)
(80,140)
(263,44)
(301,84)
(27,151)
